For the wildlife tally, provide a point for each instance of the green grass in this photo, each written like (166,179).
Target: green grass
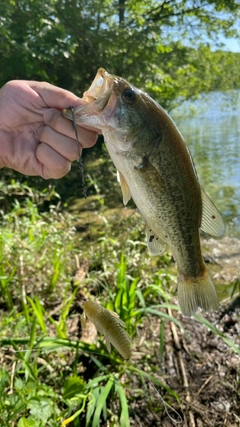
(44,376)
(48,376)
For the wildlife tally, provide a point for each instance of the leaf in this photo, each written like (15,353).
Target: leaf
(92,405)
(41,408)
(39,312)
(101,402)
(124,417)
(4,380)
(28,422)
(73,386)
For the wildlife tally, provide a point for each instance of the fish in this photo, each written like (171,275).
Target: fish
(109,324)
(155,168)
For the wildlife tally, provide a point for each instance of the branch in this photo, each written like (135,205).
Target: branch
(159,17)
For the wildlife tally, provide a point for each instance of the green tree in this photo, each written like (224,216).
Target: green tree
(158,45)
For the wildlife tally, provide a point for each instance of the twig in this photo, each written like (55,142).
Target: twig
(237,418)
(77,261)
(182,369)
(225,419)
(21,273)
(46,364)
(204,385)
(12,377)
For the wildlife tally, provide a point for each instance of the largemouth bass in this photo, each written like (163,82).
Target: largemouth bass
(155,168)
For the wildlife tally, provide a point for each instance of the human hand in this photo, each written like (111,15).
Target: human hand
(35,139)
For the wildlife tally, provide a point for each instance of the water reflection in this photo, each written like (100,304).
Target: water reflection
(214,141)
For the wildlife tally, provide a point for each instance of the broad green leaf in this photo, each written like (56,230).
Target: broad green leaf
(73,386)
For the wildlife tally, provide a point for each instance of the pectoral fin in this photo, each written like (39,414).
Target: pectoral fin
(154,244)
(124,187)
(212,222)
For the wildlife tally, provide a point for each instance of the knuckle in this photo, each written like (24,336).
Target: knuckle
(52,117)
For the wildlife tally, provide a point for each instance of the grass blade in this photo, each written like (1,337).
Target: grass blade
(39,312)
(102,402)
(124,417)
(159,313)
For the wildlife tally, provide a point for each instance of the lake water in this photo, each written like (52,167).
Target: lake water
(211,128)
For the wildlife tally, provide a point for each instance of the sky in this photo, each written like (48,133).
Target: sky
(232,44)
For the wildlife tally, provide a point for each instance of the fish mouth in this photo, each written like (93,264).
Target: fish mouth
(101,87)
(94,99)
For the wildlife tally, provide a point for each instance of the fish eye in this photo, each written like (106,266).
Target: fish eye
(129,95)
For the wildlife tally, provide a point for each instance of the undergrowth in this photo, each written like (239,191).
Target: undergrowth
(48,375)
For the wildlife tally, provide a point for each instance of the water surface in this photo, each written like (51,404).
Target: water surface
(213,136)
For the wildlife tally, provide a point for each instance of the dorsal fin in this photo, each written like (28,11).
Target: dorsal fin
(212,222)
(120,321)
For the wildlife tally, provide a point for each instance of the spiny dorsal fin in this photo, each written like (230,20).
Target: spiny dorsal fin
(212,222)
(117,318)
(154,244)
(124,187)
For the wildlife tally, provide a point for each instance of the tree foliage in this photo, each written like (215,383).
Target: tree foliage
(161,46)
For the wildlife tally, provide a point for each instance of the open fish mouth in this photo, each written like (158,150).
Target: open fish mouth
(95,100)
(100,87)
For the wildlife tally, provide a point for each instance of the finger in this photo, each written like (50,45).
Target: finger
(54,96)
(87,137)
(54,165)
(65,146)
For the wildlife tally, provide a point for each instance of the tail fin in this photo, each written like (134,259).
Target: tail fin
(194,292)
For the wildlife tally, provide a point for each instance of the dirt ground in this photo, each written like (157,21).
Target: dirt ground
(198,365)
(203,371)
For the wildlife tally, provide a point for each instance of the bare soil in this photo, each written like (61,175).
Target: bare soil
(202,370)
(198,365)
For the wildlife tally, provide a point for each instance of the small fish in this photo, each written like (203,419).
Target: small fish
(155,168)
(110,325)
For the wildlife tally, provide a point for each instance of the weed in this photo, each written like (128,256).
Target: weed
(48,376)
